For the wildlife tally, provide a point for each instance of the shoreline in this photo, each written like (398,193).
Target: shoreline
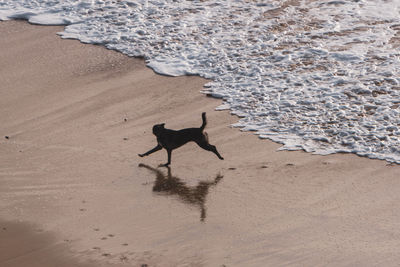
(77,115)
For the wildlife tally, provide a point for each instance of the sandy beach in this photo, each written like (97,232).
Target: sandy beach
(73,191)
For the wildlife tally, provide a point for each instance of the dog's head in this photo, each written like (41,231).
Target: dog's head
(158,128)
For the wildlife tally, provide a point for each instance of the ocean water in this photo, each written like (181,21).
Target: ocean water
(322,76)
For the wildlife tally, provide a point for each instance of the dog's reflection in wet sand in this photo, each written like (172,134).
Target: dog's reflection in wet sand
(172,185)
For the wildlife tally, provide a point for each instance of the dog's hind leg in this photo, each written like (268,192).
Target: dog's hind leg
(205,145)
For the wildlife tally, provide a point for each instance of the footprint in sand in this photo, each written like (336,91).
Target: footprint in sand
(123,258)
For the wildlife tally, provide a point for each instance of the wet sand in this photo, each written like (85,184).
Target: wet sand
(74,192)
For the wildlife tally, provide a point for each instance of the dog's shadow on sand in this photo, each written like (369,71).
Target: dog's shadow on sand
(167,184)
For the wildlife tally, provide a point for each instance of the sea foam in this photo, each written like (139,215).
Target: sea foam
(322,76)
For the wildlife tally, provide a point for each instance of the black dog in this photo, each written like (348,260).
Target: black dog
(171,139)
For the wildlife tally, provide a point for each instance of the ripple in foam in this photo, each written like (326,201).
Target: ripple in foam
(322,76)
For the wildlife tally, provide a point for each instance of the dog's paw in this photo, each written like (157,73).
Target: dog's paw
(164,165)
(141,155)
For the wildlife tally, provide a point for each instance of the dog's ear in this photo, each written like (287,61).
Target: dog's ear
(162,125)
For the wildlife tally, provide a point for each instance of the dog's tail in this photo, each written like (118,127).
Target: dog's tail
(203,116)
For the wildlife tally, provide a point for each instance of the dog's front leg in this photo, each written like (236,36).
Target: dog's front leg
(158,147)
(169,159)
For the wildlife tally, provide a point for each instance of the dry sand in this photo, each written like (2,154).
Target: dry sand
(72,192)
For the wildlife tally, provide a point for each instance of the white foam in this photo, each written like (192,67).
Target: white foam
(322,77)
(170,67)
(48,19)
